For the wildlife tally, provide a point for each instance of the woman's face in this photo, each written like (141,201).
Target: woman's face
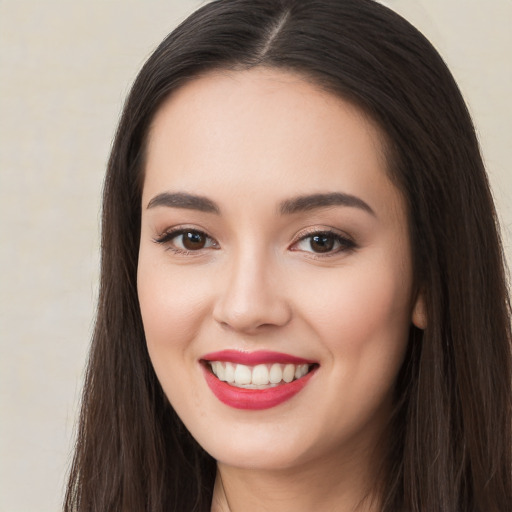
(274,254)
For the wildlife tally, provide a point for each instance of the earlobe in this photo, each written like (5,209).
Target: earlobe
(419,312)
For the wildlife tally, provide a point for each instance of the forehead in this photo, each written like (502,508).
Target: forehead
(248,130)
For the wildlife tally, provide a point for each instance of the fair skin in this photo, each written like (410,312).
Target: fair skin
(243,271)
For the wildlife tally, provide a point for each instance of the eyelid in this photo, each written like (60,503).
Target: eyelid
(166,237)
(347,243)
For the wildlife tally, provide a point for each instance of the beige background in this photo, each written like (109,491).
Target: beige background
(65,68)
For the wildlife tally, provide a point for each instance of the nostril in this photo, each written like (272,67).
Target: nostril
(258,318)
(248,301)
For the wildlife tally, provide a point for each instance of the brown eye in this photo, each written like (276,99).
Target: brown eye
(186,240)
(193,240)
(322,243)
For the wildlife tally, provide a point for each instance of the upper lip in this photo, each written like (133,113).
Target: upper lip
(254,358)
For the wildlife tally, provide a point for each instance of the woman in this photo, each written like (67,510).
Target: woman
(303,303)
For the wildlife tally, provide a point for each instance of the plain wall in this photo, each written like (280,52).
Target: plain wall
(65,68)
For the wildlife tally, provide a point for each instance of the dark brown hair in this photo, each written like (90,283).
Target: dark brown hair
(452,429)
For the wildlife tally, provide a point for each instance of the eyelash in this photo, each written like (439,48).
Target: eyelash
(167,237)
(345,244)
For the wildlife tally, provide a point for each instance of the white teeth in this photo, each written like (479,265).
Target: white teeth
(260,375)
(289,372)
(276,374)
(243,374)
(301,370)
(229,375)
(221,372)
(257,376)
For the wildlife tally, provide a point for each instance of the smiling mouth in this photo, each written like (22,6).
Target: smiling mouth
(256,380)
(260,376)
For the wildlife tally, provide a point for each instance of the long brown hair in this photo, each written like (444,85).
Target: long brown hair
(451,448)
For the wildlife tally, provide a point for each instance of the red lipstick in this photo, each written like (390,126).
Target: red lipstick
(254,358)
(254,399)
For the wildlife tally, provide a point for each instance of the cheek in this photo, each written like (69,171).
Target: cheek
(171,302)
(172,305)
(363,314)
(362,320)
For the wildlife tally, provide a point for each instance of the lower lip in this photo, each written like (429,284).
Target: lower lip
(254,399)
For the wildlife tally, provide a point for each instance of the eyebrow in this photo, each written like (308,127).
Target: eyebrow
(314,201)
(182,200)
(287,207)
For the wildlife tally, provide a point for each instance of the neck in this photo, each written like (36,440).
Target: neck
(331,487)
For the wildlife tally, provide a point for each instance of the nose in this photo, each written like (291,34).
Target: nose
(251,297)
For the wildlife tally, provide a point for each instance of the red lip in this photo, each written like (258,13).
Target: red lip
(254,399)
(254,358)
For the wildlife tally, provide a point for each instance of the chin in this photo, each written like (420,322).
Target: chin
(258,456)
(264,445)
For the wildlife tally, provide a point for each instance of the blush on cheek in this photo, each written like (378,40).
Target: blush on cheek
(170,305)
(166,326)
(366,320)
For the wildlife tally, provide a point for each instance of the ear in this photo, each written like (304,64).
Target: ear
(419,312)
